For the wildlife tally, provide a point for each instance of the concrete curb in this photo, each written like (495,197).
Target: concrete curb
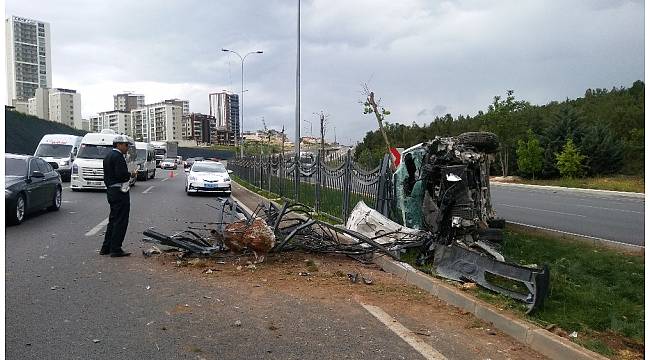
(540,340)
(560,188)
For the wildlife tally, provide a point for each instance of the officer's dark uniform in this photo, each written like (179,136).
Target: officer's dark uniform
(115,173)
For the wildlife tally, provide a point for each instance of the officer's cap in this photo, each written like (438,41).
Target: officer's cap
(120,139)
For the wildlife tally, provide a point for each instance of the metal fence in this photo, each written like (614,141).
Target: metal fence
(331,185)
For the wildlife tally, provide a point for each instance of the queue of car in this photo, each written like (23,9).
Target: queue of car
(34,182)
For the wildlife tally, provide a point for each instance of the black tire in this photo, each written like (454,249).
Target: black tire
(492,235)
(497,223)
(14,216)
(483,141)
(56,201)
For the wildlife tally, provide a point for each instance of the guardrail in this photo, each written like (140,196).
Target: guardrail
(331,185)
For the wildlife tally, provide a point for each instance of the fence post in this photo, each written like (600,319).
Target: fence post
(261,161)
(268,172)
(281,175)
(296,178)
(347,179)
(317,187)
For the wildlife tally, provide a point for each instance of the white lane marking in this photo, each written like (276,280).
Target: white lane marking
(148,189)
(165,179)
(581,235)
(551,211)
(604,208)
(67,187)
(407,335)
(97,228)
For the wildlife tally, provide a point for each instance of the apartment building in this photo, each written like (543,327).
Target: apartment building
(184,104)
(28,57)
(157,122)
(128,101)
(39,105)
(65,107)
(203,128)
(116,120)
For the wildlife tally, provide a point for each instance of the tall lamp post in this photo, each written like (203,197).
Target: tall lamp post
(241,101)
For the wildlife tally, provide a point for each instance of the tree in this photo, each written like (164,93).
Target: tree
(605,151)
(569,161)
(530,155)
(504,118)
(565,123)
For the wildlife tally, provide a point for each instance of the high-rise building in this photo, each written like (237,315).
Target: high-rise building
(157,122)
(28,57)
(65,107)
(225,109)
(128,101)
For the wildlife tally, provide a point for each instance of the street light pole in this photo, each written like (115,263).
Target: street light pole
(241,100)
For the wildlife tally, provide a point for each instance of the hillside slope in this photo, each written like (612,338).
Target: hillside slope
(23,132)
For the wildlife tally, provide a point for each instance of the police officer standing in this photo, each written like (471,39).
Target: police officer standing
(116,179)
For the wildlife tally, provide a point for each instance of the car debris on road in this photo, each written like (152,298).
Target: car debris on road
(443,200)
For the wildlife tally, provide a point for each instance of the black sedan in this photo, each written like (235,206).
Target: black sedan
(31,184)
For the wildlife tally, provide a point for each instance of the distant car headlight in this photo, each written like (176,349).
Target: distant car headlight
(64,162)
(226,179)
(75,168)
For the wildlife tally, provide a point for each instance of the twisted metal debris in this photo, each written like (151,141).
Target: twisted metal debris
(442,193)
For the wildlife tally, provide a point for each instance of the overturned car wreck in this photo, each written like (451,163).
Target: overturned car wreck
(442,188)
(443,211)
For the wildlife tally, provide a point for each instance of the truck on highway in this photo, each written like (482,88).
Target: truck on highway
(88,167)
(60,149)
(165,150)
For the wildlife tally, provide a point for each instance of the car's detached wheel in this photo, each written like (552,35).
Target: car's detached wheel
(18,214)
(56,202)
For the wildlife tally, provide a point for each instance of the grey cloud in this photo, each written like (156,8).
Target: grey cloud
(415,54)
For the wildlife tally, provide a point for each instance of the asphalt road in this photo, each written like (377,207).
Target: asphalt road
(597,214)
(65,301)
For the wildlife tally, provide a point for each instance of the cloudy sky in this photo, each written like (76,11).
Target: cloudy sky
(422,57)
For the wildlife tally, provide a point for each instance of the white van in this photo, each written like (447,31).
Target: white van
(88,167)
(60,149)
(146,160)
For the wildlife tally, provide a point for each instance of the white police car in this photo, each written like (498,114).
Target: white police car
(208,176)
